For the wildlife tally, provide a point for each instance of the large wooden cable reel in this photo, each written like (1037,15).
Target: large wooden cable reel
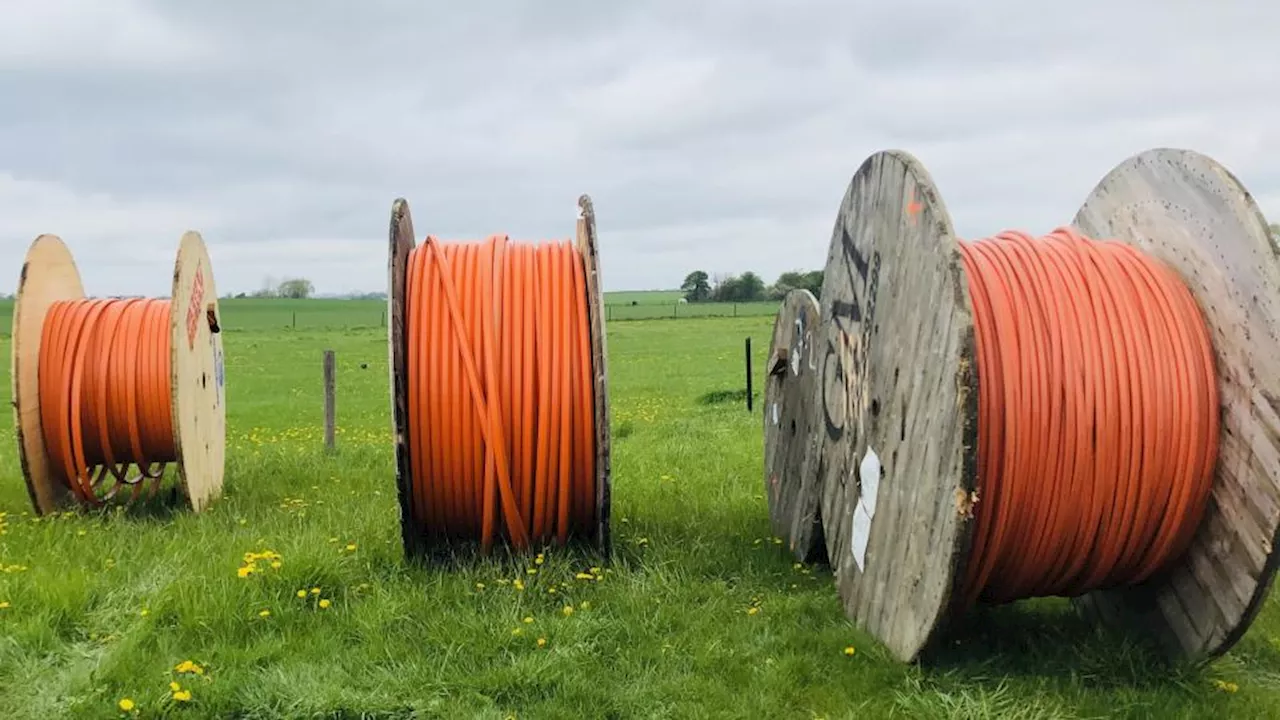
(895,410)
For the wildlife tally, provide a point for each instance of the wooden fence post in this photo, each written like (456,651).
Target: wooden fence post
(748,374)
(329,399)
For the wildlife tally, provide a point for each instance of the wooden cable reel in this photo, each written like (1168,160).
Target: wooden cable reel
(196,375)
(894,446)
(788,430)
(420,538)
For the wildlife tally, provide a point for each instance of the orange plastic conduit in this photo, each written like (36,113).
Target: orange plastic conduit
(1098,416)
(105,400)
(501,405)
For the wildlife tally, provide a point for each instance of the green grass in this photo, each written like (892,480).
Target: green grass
(105,605)
(643,297)
(323,314)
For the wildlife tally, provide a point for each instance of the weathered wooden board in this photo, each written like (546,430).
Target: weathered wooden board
(588,245)
(897,404)
(790,424)
(48,275)
(198,395)
(400,242)
(1192,213)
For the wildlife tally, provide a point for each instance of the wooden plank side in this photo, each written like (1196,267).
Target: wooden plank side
(897,437)
(588,246)
(197,372)
(48,275)
(400,242)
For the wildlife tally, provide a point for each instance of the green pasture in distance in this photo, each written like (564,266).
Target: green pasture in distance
(700,613)
(328,314)
(643,297)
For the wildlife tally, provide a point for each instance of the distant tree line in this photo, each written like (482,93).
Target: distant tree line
(698,286)
(289,288)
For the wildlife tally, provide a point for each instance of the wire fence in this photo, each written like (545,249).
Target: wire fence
(255,314)
(338,314)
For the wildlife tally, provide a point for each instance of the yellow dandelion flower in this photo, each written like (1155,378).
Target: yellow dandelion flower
(315,591)
(542,642)
(264,613)
(182,696)
(276,564)
(528,619)
(479,586)
(144,612)
(187,666)
(551,591)
(518,584)
(351,547)
(174,687)
(324,604)
(585,605)
(539,560)
(849,650)
(244,571)
(532,571)
(127,705)
(568,610)
(302,593)
(584,576)
(753,611)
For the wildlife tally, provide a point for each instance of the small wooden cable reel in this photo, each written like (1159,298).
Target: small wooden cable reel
(894,446)
(788,431)
(49,284)
(422,533)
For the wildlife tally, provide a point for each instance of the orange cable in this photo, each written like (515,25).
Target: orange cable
(501,404)
(1098,416)
(105,400)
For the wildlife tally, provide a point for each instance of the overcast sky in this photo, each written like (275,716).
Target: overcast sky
(712,134)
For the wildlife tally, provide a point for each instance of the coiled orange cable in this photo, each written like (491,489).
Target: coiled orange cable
(1098,416)
(105,400)
(501,404)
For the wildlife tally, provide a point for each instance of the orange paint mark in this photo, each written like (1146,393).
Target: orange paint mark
(913,207)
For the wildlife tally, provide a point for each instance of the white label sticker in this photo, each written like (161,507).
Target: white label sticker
(869,475)
(861,534)
(797,352)
(865,511)
(775,413)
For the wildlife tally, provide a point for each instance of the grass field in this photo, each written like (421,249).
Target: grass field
(321,314)
(700,614)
